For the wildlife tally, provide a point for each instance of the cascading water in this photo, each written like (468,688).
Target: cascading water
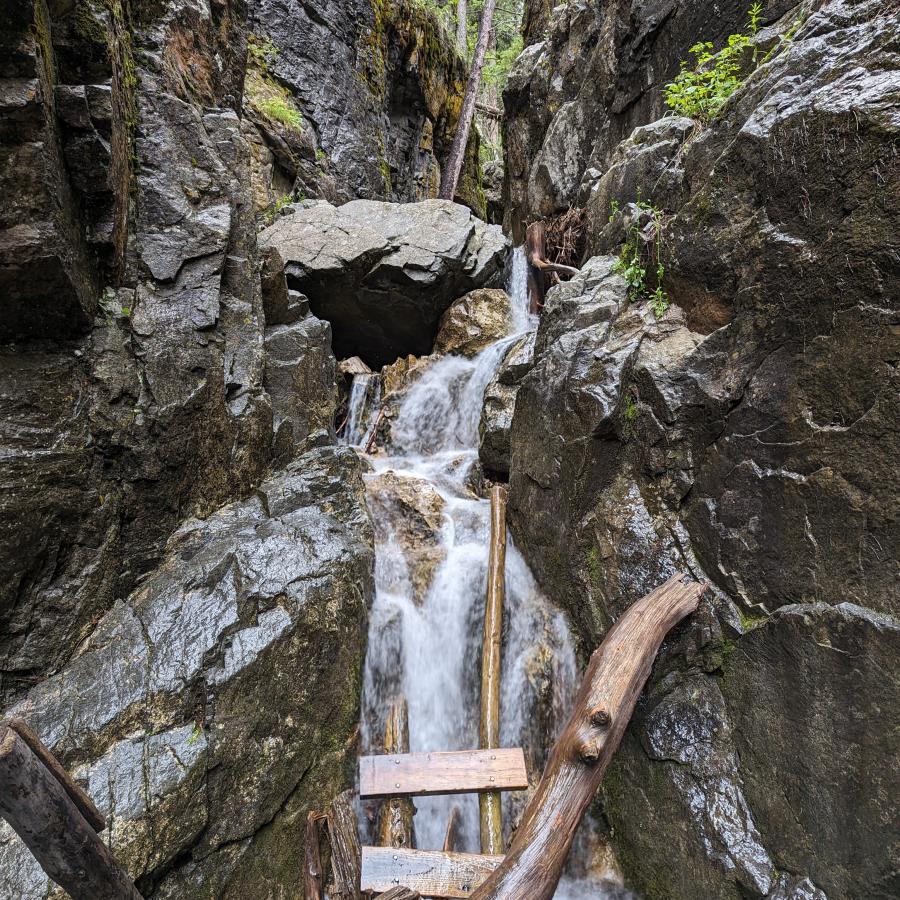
(425,641)
(365,395)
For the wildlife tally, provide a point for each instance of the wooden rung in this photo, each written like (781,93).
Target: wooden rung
(457,772)
(429,872)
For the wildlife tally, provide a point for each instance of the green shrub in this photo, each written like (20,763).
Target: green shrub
(701,91)
(642,251)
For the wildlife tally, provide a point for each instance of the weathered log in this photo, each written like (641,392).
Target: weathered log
(395,819)
(45,817)
(489,803)
(313,883)
(79,797)
(451,835)
(615,676)
(345,850)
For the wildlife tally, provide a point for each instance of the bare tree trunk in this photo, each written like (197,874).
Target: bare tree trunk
(462,27)
(489,802)
(45,817)
(454,164)
(612,684)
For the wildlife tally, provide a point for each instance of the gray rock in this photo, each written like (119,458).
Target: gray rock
(746,436)
(499,404)
(377,85)
(213,707)
(382,273)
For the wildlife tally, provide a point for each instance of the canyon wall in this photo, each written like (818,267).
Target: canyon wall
(748,435)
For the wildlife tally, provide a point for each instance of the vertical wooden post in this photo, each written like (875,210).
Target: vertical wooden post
(489,803)
(313,887)
(41,811)
(451,836)
(395,820)
(346,855)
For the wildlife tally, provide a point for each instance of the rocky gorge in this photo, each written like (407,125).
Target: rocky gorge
(211,209)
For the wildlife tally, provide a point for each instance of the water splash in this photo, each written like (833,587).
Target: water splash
(428,647)
(521,318)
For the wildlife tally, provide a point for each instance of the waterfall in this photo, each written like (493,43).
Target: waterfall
(426,642)
(365,395)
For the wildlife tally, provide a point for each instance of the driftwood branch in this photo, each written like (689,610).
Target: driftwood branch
(451,835)
(612,684)
(41,811)
(395,821)
(489,803)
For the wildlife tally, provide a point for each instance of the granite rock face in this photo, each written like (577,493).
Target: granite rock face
(474,322)
(231,672)
(377,86)
(383,273)
(748,436)
(590,74)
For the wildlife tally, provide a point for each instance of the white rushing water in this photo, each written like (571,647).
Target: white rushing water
(428,646)
(365,395)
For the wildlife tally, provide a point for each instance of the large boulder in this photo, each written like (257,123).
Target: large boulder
(474,322)
(212,709)
(383,274)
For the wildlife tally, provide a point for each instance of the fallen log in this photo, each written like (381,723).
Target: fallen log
(612,684)
(489,802)
(44,815)
(79,797)
(395,820)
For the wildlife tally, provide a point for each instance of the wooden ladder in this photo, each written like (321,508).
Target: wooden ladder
(434,873)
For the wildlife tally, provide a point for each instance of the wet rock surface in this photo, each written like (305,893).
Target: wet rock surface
(377,87)
(383,274)
(748,436)
(230,673)
(474,322)
(590,74)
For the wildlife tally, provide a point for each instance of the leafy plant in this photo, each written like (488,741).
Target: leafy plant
(274,211)
(277,108)
(262,52)
(700,91)
(642,251)
(613,210)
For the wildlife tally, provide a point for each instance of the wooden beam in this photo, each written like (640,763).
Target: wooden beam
(343,835)
(79,797)
(614,679)
(489,803)
(428,872)
(45,817)
(313,883)
(395,818)
(451,772)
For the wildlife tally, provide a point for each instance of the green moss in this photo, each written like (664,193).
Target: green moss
(278,109)
(749,621)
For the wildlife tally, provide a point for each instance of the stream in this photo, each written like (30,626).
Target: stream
(425,626)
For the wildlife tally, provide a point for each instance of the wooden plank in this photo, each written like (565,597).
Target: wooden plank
(453,772)
(343,833)
(79,797)
(428,872)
